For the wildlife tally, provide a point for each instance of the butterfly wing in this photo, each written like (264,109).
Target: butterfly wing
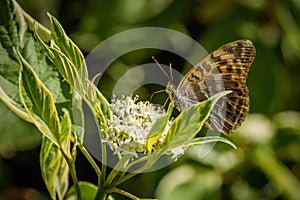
(226,68)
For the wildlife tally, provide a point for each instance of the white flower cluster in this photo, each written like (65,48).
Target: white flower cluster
(132,121)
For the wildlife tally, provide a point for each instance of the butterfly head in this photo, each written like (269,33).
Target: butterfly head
(171,90)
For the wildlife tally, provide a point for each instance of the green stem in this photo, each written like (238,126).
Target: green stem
(118,178)
(72,168)
(101,194)
(104,159)
(103,189)
(151,159)
(91,161)
(75,180)
(120,167)
(125,178)
(127,194)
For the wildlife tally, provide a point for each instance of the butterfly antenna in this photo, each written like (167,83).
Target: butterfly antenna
(165,73)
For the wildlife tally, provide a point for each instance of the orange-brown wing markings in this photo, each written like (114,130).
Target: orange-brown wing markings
(226,68)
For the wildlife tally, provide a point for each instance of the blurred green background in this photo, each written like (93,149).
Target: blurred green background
(266,164)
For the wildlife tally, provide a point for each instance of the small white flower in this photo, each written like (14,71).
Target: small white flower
(177,152)
(128,131)
(131,124)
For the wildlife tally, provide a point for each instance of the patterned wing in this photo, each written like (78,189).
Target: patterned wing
(226,68)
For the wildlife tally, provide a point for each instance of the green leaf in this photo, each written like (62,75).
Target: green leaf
(13,106)
(208,139)
(16,134)
(78,118)
(38,102)
(88,191)
(158,128)
(8,28)
(67,47)
(9,66)
(65,132)
(185,127)
(16,33)
(54,169)
(66,56)
(100,107)
(64,66)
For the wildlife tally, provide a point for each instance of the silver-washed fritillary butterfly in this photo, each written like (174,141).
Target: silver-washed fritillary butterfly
(225,68)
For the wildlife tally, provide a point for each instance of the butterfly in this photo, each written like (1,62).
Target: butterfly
(225,68)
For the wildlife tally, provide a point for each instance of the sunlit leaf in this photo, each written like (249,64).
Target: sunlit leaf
(16,33)
(157,129)
(65,133)
(65,67)
(11,104)
(190,121)
(90,93)
(78,118)
(67,47)
(208,139)
(38,102)
(100,105)
(54,169)
(66,56)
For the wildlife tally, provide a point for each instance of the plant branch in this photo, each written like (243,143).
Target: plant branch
(91,161)
(127,194)
(72,168)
